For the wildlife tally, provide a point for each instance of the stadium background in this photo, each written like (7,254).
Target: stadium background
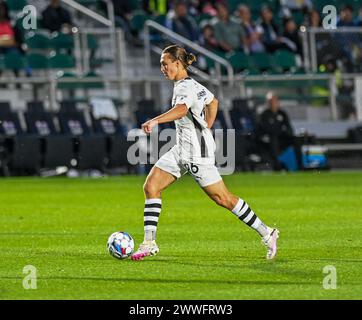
(51,81)
(68,98)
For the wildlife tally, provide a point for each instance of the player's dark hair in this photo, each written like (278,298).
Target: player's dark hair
(179,53)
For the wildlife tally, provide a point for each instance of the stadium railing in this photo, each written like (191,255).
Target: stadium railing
(330,45)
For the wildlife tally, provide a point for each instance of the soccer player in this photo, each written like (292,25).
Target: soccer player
(194,110)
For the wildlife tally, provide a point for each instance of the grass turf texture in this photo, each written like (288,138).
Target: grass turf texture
(61,226)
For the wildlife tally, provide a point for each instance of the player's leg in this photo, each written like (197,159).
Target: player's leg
(165,172)
(156,181)
(223,197)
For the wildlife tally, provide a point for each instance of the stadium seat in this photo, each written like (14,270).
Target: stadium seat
(57,149)
(14,61)
(67,106)
(114,131)
(37,61)
(92,42)
(138,20)
(2,62)
(68,85)
(92,85)
(105,117)
(263,61)
(37,41)
(61,41)
(117,156)
(73,123)
(16,5)
(284,60)
(146,105)
(5,107)
(88,3)
(19,145)
(146,109)
(61,61)
(90,148)
(35,106)
(160,19)
(241,62)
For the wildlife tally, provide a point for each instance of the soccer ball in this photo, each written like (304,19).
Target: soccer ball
(120,245)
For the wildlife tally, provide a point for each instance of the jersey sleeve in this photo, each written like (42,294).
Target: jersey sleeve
(183,95)
(209,97)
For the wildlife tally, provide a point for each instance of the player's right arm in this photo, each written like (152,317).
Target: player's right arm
(177,112)
(211,112)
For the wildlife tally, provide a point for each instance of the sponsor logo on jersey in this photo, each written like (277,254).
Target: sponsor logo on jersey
(201,94)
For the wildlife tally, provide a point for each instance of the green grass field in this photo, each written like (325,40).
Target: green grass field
(61,226)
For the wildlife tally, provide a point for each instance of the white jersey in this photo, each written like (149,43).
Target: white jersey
(194,141)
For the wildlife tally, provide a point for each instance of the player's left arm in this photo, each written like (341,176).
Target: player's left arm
(211,112)
(177,112)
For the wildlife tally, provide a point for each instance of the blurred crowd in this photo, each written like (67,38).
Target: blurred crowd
(54,18)
(212,24)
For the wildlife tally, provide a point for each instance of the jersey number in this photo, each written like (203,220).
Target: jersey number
(193,168)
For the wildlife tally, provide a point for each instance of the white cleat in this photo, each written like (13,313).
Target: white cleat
(270,241)
(147,248)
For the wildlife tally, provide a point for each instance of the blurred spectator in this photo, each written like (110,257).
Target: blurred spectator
(346,17)
(207,7)
(276,133)
(194,7)
(182,23)
(345,91)
(291,33)
(325,46)
(228,33)
(152,7)
(358,22)
(10,37)
(56,18)
(208,39)
(253,34)
(305,5)
(271,37)
(346,41)
(123,12)
(313,19)
(7,33)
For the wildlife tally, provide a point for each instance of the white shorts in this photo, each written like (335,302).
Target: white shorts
(204,174)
